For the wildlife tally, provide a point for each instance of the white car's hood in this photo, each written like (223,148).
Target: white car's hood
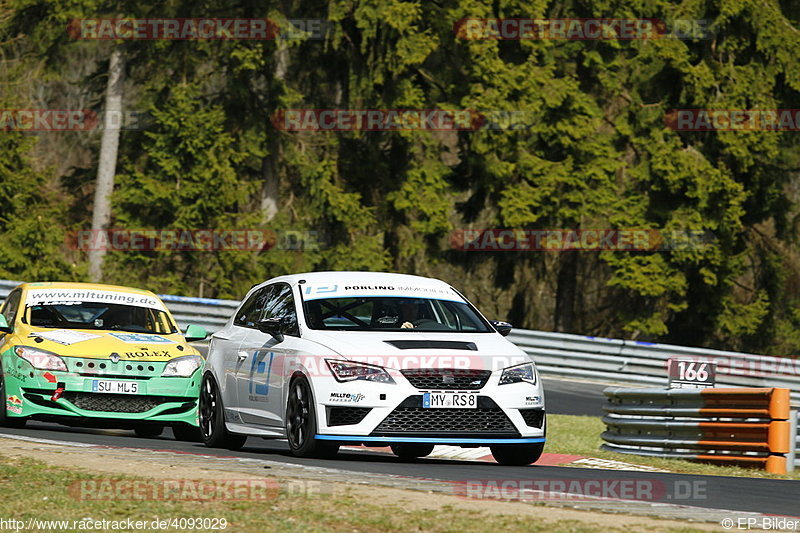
(400,350)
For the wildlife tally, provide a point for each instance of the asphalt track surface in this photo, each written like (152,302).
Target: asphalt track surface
(768,496)
(573,397)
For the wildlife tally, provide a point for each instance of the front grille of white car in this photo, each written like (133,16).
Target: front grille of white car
(447,378)
(411,418)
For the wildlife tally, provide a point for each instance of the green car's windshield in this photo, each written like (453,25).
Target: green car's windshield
(384,313)
(98,315)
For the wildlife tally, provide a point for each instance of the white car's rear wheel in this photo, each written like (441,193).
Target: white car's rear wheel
(301,422)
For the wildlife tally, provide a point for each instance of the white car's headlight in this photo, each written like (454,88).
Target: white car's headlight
(519,374)
(352,371)
(182,367)
(41,359)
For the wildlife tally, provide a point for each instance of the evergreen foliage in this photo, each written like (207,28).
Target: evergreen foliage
(593,151)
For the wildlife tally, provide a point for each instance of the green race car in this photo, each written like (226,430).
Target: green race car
(97,355)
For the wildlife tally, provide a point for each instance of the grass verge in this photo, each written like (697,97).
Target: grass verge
(36,490)
(580,435)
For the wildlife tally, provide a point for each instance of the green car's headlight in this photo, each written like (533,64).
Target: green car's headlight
(41,359)
(182,367)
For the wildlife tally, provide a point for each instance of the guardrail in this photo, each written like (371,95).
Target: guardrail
(206,312)
(730,426)
(645,363)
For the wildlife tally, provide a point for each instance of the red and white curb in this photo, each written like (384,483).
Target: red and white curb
(610,464)
(484,455)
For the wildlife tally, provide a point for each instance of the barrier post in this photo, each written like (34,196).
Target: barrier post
(746,426)
(791,456)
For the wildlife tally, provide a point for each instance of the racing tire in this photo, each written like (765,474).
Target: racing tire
(5,420)
(148,431)
(213,432)
(301,423)
(411,451)
(187,433)
(517,454)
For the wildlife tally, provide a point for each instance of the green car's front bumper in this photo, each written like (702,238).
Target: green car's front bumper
(33,393)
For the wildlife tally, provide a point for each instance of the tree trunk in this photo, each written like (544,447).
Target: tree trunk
(565,292)
(271,186)
(106,168)
(269,189)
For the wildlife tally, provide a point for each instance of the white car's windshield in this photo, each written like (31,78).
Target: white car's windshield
(98,315)
(382,313)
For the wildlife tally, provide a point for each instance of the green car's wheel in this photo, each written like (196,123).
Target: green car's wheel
(187,433)
(5,420)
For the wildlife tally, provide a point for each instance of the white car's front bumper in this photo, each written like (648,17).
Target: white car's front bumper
(374,413)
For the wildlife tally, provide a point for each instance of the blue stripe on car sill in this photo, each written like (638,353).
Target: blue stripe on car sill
(430,440)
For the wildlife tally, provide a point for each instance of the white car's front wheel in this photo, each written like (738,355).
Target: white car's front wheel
(301,422)
(408,452)
(517,454)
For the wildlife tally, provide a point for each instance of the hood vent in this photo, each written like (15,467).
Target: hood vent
(435,345)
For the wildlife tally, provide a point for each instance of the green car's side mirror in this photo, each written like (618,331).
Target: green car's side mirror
(4,327)
(195,333)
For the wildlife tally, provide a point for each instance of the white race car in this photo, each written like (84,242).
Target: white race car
(325,359)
